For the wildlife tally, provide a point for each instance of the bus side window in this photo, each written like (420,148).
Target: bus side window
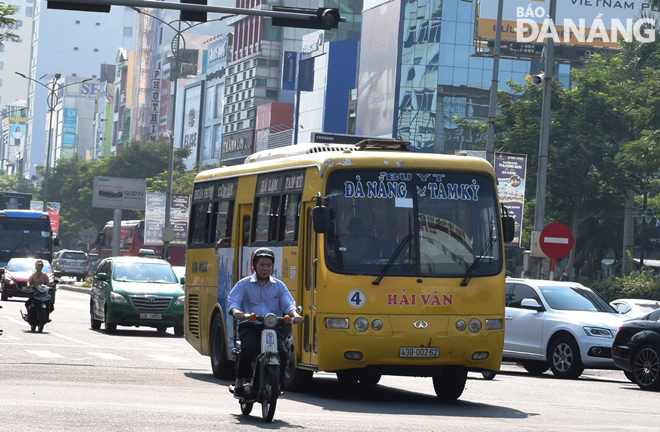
(223,223)
(290,218)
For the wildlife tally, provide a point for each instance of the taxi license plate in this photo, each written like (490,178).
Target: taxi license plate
(423,352)
(151,316)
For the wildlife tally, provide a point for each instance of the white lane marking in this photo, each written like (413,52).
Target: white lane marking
(47,354)
(4,338)
(168,359)
(56,334)
(557,240)
(107,356)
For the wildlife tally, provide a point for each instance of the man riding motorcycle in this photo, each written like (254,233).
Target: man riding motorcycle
(37,278)
(260,294)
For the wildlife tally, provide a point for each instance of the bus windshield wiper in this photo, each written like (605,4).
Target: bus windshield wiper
(390,261)
(477,262)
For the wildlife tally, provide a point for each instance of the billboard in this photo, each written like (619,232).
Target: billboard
(191,131)
(154,218)
(69,132)
(378,70)
(510,171)
(119,193)
(53,210)
(16,134)
(581,23)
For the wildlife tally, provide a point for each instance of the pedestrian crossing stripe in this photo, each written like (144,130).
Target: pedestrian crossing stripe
(107,356)
(166,358)
(47,354)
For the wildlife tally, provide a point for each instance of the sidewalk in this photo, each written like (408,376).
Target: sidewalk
(70,287)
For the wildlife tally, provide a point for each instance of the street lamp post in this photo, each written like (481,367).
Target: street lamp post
(52,100)
(644,216)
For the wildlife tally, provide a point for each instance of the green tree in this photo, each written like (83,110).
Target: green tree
(7,23)
(12,183)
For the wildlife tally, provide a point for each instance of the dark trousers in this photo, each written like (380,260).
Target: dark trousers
(250,337)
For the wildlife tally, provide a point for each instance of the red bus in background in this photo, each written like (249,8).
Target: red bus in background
(131,240)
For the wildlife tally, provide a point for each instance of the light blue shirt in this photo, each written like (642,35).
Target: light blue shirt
(249,296)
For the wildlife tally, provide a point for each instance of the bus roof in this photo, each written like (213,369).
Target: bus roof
(24,214)
(329,156)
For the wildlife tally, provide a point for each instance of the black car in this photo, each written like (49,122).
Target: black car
(636,350)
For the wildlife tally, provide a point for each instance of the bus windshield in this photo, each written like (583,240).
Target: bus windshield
(426,223)
(23,237)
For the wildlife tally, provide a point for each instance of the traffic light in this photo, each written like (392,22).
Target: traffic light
(321,18)
(84,7)
(193,15)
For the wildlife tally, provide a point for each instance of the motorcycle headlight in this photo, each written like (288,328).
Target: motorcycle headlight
(180,301)
(117,298)
(270,320)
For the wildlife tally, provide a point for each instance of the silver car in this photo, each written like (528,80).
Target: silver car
(70,263)
(563,326)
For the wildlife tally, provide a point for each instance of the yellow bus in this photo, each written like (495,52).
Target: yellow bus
(395,257)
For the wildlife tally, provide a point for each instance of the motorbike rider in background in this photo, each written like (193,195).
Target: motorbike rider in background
(259,294)
(37,278)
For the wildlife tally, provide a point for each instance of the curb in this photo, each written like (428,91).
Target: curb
(73,288)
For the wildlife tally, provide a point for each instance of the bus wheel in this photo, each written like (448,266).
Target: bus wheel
(347,377)
(221,366)
(369,378)
(449,385)
(297,380)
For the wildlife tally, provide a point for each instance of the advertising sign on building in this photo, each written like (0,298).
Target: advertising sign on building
(377,72)
(289,65)
(591,23)
(510,170)
(69,132)
(53,210)
(154,219)
(154,104)
(237,145)
(16,134)
(119,193)
(191,131)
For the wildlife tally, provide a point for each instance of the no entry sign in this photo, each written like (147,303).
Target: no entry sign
(556,240)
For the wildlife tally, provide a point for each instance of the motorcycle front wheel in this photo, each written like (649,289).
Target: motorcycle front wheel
(246,407)
(271,393)
(42,318)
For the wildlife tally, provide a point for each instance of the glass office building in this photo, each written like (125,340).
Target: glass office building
(413,86)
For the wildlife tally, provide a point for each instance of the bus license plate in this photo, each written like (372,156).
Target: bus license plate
(151,316)
(419,352)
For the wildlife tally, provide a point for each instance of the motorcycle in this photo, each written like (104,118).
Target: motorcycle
(38,306)
(264,387)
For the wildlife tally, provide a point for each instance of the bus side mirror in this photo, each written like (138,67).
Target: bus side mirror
(508,228)
(100,240)
(321,219)
(56,241)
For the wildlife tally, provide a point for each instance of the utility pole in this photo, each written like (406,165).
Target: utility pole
(542,171)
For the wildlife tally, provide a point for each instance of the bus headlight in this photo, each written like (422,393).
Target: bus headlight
(493,324)
(336,323)
(361,324)
(460,325)
(376,324)
(475,325)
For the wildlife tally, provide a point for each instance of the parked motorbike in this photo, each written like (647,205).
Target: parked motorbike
(39,306)
(264,387)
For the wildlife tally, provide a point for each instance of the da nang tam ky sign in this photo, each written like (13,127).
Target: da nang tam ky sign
(594,23)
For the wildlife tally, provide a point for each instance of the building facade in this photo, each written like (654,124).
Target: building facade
(58,48)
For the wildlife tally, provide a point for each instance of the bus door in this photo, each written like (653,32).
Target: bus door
(242,246)
(309,349)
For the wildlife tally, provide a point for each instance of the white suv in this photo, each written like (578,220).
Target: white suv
(563,326)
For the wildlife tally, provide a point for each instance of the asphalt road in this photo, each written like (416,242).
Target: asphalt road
(72,378)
